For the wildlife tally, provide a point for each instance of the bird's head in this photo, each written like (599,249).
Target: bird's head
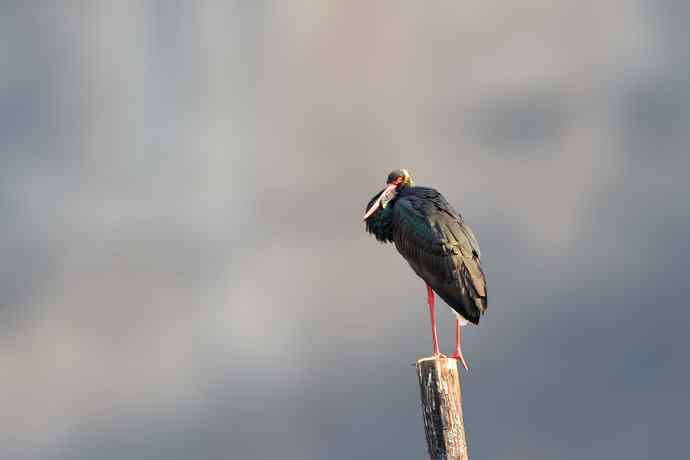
(396,180)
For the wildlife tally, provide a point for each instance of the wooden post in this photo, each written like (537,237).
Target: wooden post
(439,383)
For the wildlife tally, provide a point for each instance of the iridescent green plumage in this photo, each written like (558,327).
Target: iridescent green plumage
(437,244)
(381,224)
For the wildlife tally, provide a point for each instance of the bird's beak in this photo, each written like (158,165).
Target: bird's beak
(377,203)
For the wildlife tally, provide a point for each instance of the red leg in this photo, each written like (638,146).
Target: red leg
(432,312)
(458,351)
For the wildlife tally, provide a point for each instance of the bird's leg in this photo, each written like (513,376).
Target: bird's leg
(458,351)
(432,312)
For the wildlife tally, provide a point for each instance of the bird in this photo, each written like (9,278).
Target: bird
(438,245)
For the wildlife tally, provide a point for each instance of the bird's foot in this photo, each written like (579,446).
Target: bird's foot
(458,355)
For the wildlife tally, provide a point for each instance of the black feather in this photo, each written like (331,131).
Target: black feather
(437,244)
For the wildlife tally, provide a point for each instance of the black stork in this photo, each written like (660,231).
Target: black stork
(438,245)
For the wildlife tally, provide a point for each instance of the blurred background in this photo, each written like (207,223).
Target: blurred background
(184,272)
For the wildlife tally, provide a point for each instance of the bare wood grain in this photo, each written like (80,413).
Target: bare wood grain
(439,384)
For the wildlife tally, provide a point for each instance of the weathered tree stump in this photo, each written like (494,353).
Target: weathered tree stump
(439,383)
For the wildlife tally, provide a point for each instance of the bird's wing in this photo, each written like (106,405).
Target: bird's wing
(419,241)
(429,232)
(469,243)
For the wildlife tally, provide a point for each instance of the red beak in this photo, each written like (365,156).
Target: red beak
(377,203)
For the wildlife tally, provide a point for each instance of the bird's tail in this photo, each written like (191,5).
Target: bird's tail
(463,321)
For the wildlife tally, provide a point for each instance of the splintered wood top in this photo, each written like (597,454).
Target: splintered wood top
(440,359)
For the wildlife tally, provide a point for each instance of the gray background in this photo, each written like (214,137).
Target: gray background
(184,271)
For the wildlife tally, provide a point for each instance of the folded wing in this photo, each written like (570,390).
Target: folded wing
(441,249)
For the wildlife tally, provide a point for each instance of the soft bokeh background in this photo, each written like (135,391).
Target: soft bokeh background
(184,271)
